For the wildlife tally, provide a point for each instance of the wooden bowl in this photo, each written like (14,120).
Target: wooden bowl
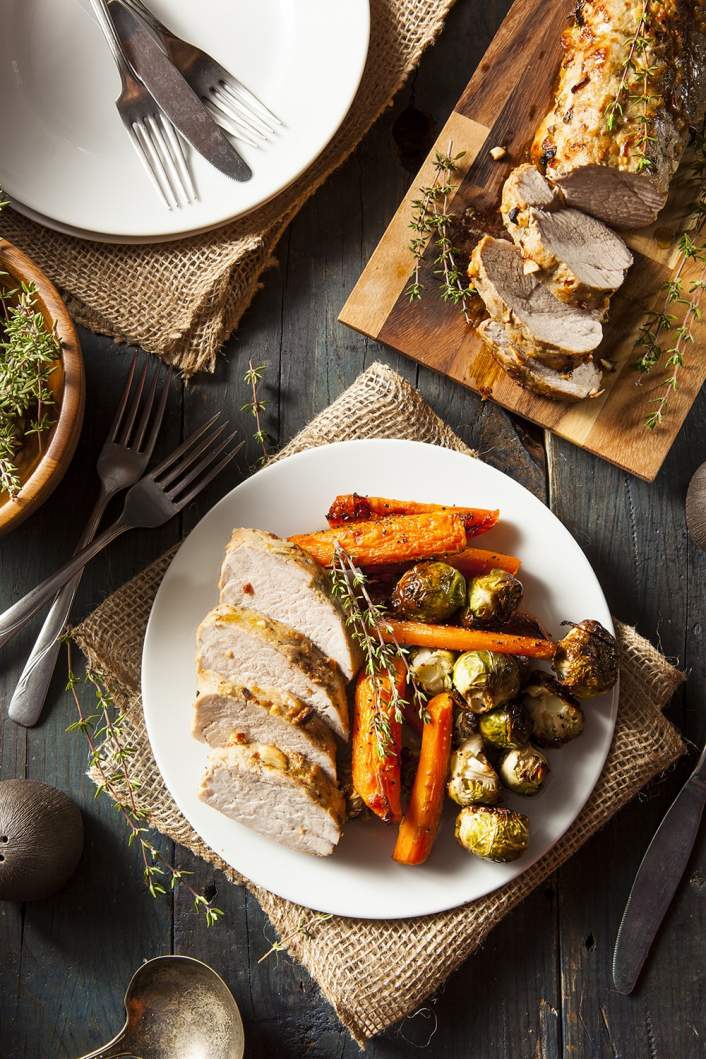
(42,471)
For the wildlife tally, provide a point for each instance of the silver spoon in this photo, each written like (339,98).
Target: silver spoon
(177,1008)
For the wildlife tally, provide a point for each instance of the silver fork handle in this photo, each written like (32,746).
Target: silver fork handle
(19,613)
(146,15)
(32,688)
(102,13)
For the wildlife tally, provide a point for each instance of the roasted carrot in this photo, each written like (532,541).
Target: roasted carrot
(398,539)
(352,507)
(421,821)
(474,561)
(453,638)
(376,777)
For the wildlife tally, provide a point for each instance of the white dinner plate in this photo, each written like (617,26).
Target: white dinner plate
(67,158)
(360,879)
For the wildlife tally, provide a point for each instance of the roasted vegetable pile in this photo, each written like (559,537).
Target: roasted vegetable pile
(450,678)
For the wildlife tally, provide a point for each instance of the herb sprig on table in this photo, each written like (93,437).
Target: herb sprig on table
(256,406)
(28,354)
(668,331)
(107,724)
(432,220)
(366,620)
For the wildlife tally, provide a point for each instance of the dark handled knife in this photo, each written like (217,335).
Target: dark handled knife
(176,98)
(657,879)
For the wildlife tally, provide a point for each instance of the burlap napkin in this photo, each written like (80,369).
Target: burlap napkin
(374,973)
(182,300)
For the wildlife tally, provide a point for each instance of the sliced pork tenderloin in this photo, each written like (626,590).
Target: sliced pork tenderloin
(576,385)
(275,577)
(536,322)
(579,258)
(251,650)
(281,796)
(614,136)
(225,714)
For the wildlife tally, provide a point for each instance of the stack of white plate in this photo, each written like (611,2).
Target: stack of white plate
(66,160)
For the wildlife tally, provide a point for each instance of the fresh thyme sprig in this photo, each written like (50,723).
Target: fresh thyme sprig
(366,621)
(431,220)
(28,355)
(113,769)
(634,90)
(668,331)
(252,378)
(302,927)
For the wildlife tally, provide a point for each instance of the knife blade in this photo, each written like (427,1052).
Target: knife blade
(176,98)
(657,879)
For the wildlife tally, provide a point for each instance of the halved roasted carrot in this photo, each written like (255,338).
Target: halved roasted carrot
(352,507)
(474,561)
(453,638)
(376,777)
(398,539)
(421,820)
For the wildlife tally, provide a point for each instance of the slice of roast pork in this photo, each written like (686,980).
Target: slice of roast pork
(275,577)
(578,258)
(576,385)
(251,650)
(282,796)
(536,322)
(226,714)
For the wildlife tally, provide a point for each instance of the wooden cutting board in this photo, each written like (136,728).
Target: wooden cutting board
(508,95)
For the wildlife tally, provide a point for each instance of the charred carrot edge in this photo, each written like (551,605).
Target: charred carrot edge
(398,539)
(452,638)
(421,821)
(376,779)
(474,561)
(352,507)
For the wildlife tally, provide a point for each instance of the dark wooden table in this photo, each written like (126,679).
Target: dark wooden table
(540,988)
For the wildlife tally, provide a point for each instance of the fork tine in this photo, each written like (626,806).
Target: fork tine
(201,485)
(195,472)
(184,447)
(145,151)
(177,152)
(188,458)
(146,411)
(231,126)
(237,111)
(158,417)
(168,165)
(238,86)
(113,432)
(247,113)
(126,429)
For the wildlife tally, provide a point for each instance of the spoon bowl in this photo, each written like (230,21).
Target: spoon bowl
(177,1008)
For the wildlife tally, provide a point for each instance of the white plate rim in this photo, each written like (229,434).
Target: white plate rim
(369,913)
(142,238)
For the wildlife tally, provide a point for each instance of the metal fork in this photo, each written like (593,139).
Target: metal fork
(152,134)
(151,502)
(231,103)
(123,459)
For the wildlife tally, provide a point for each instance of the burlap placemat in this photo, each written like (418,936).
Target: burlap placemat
(374,973)
(182,300)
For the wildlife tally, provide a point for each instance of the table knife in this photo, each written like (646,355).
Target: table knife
(657,879)
(175,96)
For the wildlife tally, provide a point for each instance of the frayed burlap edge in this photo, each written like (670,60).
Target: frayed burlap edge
(182,300)
(374,973)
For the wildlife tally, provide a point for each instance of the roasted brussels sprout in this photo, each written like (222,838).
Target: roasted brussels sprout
(524,770)
(473,780)
(492,832)
(465,725)
(432,669)
(505,727)
(429,592)
(554,713)
(493,597)
(586,661)
(485,679)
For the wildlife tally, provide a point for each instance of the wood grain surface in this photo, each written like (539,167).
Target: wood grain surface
(509,93)
(540,986)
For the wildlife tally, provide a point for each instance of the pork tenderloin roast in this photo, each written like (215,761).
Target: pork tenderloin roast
(575,385)
(283,796)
